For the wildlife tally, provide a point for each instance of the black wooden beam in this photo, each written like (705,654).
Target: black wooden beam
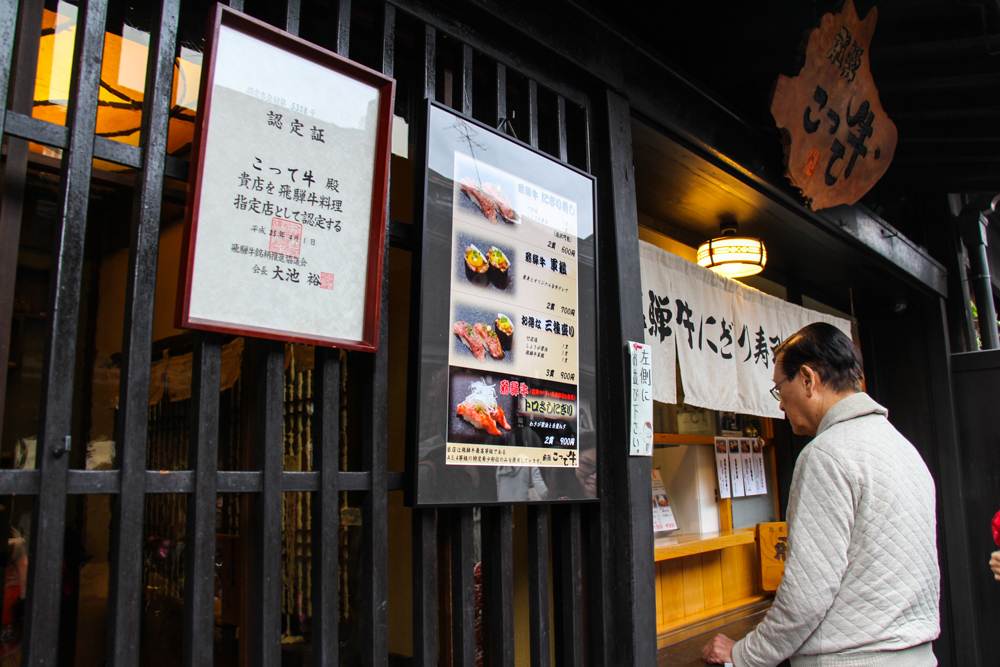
(8,27)
(269,447)
(540,637)
(463,599)
(498,582)
(424,521)
(567,564)
(326,508)
(42,613)
(14,172)
(630,485)
(375,436)
(128,507)
(344,28)
(199,543)
(965,640)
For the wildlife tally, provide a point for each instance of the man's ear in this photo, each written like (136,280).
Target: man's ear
(810,379)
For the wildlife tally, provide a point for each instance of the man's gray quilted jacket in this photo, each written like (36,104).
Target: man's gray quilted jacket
(861,579)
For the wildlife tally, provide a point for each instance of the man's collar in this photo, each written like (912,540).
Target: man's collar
(849,407)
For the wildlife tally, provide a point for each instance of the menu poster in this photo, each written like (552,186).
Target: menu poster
(757,445)
(722,467)
(750,474)
(507,344)
(287,211)
(641,420)
(663,515)
(736,467)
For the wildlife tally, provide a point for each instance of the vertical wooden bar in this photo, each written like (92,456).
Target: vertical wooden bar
(501,96)
(561,133)
(236,4)
(266,605)
(326,508)
(293,13)
(463,602)
(964,626)
(599,555)
(533,112)
(59,362)
(540,635)
(14,172)
(375,438)
(8,25)
(498,522)
(344,28)
(498,580)
(199,553)
(629,514)
(128,507)
(430,62)
(568,567)
(538,586)
(425,554)
(467,79)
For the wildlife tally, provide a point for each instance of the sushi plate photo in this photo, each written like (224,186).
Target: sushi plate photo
(478,413)
(485,263)
(478,337)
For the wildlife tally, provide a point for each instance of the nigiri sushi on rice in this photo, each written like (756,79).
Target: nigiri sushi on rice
(481,410)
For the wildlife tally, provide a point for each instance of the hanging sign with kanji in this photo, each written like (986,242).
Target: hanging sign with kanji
(839,140)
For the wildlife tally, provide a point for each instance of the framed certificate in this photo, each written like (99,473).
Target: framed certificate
(287,205)
(507,344)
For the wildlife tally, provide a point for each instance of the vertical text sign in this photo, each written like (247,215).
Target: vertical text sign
(641,418)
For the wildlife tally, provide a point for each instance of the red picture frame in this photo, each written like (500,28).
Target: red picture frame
(385,86)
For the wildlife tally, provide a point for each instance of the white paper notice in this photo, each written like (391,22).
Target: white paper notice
(641,423)
(751,482)
(722,465)
(663,515)
(758,461)
(285,199)
(736,467)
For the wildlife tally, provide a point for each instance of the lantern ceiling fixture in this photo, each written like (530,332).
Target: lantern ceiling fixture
(732,256)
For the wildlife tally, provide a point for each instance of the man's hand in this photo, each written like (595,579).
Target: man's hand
(995,564)
(720,650)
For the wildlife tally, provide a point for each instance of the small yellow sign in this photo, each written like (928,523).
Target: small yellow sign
(772,547)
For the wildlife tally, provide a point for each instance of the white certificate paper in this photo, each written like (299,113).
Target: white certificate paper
(283,209)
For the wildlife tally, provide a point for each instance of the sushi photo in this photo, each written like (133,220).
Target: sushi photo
(501,201)
(489,199)
(475,260)
(476,342)
(505,330)
(483,201)
(483,262)
(467,334)
(498,260)
(480,409)
(489,337)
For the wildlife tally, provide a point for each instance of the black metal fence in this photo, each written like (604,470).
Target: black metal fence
(598,568)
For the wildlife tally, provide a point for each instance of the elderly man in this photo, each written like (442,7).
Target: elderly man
(861,582)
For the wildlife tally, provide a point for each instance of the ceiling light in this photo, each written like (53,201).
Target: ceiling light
(732,256)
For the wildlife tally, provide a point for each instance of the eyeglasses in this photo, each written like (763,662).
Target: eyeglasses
(587,469)
(776,389)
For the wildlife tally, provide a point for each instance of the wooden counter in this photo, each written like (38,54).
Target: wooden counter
(687,545)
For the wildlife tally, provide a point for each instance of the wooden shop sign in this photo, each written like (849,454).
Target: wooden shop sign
(839,140)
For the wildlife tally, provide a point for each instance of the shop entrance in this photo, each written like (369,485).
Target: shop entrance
(712,569)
